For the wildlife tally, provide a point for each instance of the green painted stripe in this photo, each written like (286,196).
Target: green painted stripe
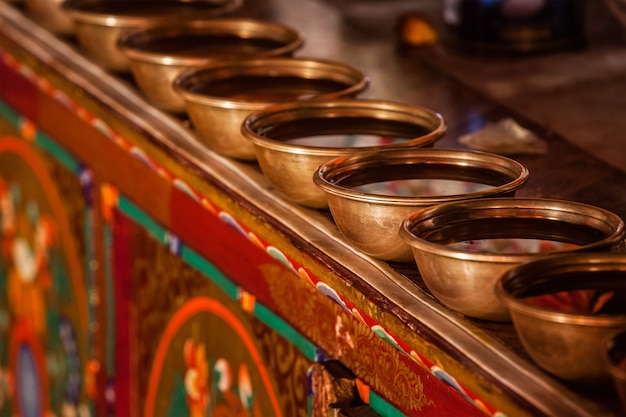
(59,153)
(210,271)
(135,213)
(382,407)
(8,113)
(41,139)
(219,279)
(284,329)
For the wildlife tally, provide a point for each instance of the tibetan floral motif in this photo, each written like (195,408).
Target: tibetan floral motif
(27,260)
(196,378)
(206,365)
(216,394)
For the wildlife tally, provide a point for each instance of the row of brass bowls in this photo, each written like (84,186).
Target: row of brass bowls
(220,95)
(158,55)
(97,24)
(292,140)
(462,241)
(313,152)
(462,248)
(370,193)
(566,310)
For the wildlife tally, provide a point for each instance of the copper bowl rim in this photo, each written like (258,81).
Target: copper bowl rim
(354,79)
(256,125)
(555,265)
(486,208)
(83,11)
(326,176)
(130,42)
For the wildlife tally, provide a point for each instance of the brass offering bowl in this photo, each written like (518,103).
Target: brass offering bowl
(51,15)
(370,193)
(563,307)
(462,248)
(158,55)
(220,95)
(613,352)
(291,140)
(99,23)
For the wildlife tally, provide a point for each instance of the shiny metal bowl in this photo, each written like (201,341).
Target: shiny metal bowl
(99,23)
(370,193)
(613,352)
(291,140)
(158,55)
(462,248)
(220,95)
(563,307)
(51,15)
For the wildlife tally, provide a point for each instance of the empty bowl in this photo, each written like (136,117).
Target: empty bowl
(220,95)
(158,55)
(99,23)
(462,248)
(563,307)
(291,140)
(370,193)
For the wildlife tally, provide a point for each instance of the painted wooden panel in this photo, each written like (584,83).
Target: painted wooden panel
(248,275)
(198,351)
(48,317)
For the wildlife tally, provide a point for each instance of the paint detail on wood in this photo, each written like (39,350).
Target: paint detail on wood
(44,308)
(105,136)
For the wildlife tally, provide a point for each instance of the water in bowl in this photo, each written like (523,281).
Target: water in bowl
(422,187)
(269,88)
(207,45)
(150,8)
(345,141)
(509,246)
(591,291)
(344,131)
